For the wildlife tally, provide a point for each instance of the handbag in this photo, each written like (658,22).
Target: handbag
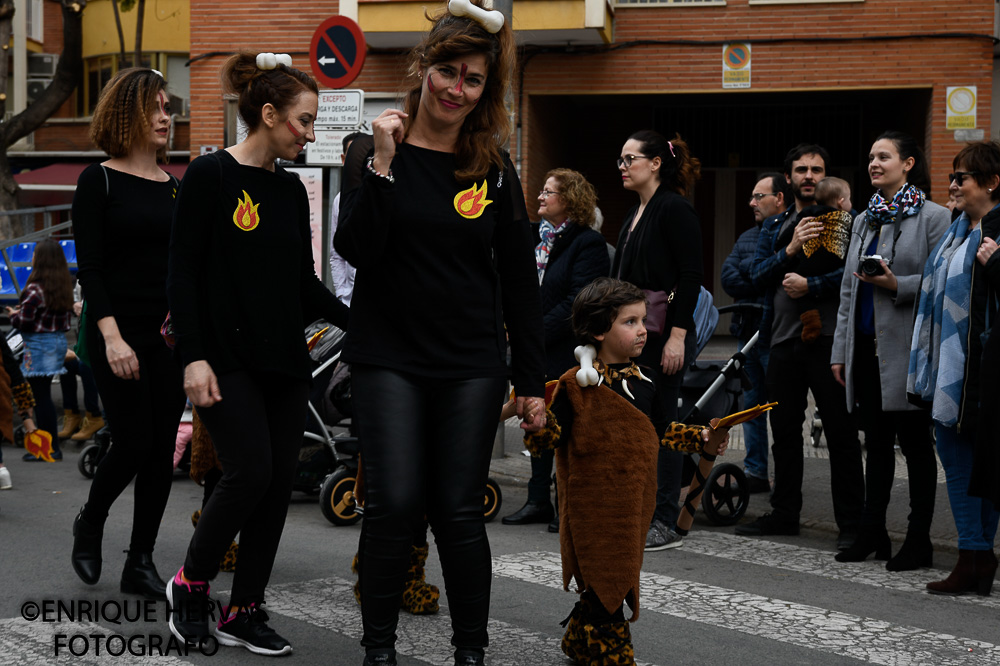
(657,304)
(80,348)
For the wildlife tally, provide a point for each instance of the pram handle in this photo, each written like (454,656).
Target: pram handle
(740,307)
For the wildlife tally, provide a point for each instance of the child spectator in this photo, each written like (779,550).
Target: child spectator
(825,253)
(12,386)
(43,317)
(605,445)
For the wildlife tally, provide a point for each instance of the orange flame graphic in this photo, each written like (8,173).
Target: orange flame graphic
(470,203)
(245,215)
(39,444)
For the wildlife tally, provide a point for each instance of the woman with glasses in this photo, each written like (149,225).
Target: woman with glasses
(956,310)
(439,234)
(659,250)
(871,346)
(569,256)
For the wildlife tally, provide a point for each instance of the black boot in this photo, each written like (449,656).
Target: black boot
(380,657)
(531,512)
(472,657)
(915,552)
(870,540)
(140,577)
(87,550)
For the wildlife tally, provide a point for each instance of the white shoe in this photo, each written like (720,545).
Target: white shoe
(5,483)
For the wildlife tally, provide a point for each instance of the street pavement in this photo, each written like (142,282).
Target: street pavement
(719,598)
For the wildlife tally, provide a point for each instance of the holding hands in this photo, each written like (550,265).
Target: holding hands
(716,440)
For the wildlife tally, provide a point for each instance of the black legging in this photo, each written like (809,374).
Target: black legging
(257,432)
(45,409)
(426,447)
(145,414)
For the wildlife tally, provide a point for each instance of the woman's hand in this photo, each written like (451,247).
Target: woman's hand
(388,131)
(121,358)
(716,440)
(838,373)
(532,411)
(12,311)
(201,385)
(986,250)
(887,280)
(672,358)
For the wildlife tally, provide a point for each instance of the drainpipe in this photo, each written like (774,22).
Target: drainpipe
(507,8)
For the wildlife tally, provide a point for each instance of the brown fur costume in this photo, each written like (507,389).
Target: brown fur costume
(606,472)
(203,456)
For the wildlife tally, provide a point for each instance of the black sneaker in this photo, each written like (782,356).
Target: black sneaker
(380,657)
(469,658)
(769,525)
(248,628)
(189,609)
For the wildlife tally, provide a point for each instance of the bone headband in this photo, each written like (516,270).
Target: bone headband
(272,60)
(491,19)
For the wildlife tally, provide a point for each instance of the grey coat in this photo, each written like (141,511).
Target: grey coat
(893,313)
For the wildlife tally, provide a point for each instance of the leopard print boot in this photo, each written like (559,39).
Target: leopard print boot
(574,644)
(357,583)
(419,597)
(608,644)
(228,561)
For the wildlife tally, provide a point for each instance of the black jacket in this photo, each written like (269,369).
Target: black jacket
(578,256)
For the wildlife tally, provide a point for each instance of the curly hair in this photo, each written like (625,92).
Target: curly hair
(256,87)
(122,117)
(577,194)
(680,168)
(596,307)
(49,270)
(486,130)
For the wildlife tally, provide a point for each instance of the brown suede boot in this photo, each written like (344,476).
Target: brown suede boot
(91,424)
(962,578)
(986,571)
(71,423)
(812,325)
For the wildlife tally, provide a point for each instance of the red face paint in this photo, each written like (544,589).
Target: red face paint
(461,78)
(430,82)
(161,102)
(291,128)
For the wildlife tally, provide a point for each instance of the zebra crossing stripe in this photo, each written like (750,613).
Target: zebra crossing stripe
(35,644)
(868,639)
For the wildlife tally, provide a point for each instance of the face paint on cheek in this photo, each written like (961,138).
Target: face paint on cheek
(461,78)
(161,102)
(291,128)
(430,83)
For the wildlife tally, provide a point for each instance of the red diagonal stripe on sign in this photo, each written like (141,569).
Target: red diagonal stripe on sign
(336,52)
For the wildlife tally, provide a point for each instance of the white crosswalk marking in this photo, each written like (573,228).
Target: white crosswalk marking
(34,644)
(815,628)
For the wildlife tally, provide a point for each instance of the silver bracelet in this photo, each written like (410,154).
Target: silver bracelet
(371,168)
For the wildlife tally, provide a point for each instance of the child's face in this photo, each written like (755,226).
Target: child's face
(627,336)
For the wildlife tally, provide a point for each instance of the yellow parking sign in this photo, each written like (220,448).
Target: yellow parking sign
(961,107)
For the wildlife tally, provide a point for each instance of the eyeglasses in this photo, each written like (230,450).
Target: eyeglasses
(626,160)
(757,196)
(959,176)
(545,194)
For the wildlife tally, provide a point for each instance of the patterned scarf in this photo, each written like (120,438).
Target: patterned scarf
(548,232)
(909,199)
(941,329)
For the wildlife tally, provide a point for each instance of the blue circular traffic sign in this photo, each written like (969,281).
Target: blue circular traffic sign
(337,51)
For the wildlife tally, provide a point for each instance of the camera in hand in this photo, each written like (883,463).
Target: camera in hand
(871,266)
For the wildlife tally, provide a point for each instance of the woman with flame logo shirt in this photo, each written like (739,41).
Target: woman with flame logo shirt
(241,287)
(439,233)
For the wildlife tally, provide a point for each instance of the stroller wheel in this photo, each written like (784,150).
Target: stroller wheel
(493,501)
(727,494)
(336,498)
(89,459)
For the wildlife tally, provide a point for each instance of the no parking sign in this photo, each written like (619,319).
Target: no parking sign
(337,51)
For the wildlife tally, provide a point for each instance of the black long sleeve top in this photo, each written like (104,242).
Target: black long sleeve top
(121,224)
(440,273)
(242,283)
(663,252)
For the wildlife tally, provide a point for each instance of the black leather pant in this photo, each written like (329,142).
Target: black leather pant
(425,450)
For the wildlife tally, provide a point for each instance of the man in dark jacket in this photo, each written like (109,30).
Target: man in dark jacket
(770,197)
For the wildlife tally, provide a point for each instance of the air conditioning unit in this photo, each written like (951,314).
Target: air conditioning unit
(36,87)
(42,65)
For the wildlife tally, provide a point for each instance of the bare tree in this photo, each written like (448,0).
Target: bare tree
(127,6)
(121,33)
(65,81)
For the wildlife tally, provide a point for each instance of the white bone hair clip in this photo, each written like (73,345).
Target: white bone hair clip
(272,60)
(587,375)
(490,19)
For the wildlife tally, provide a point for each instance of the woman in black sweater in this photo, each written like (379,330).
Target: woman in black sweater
(569,255)
(439,234)
(121,221)
(241,232)
(659,250)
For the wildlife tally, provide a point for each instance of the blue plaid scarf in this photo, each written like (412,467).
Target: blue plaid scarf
(941,330)
(548,232)
(909,198)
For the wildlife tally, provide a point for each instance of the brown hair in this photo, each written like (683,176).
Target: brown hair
(121,118)
(49,270)
(256,87)
(983,159)
(597,305)
(831,190)
(577,194)
(486,130)
(680,168)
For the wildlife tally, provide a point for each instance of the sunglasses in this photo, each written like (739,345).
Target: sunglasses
(959,176)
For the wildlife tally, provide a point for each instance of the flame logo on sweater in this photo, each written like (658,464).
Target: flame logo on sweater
(245,216)
(471,203)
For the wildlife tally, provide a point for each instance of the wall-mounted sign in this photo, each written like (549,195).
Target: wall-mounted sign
(736,65)
(961,107)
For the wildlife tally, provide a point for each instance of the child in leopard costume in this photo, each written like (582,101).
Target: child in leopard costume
(599,422)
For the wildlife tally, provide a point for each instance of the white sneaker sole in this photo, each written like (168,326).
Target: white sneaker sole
(232,641)
(170,617)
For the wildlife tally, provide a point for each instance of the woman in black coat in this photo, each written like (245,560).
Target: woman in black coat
(569,255)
